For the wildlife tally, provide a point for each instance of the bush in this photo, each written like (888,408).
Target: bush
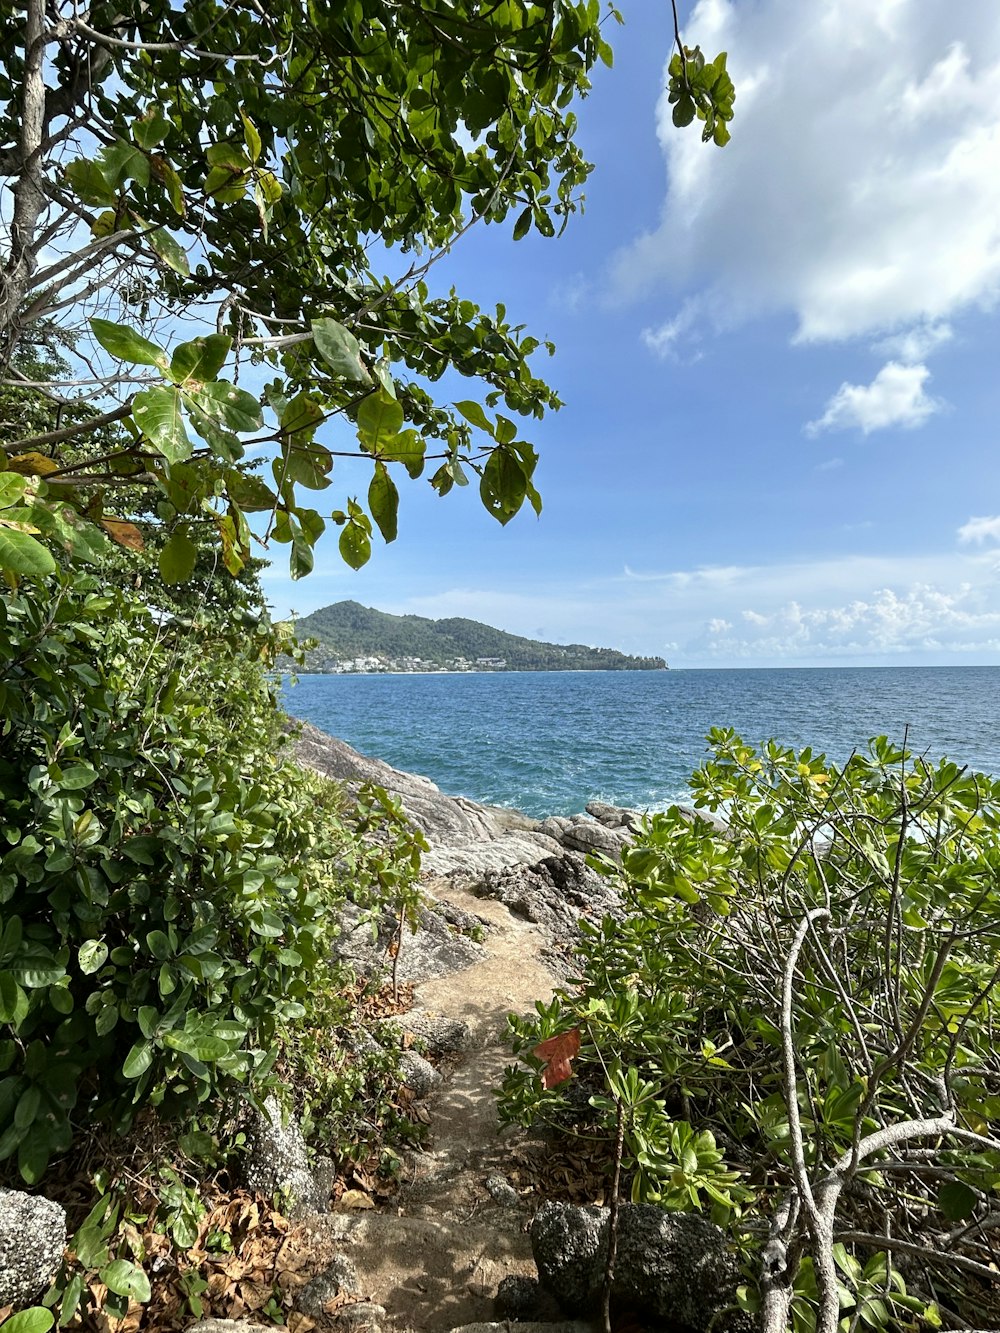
(167,881)
(796,1023)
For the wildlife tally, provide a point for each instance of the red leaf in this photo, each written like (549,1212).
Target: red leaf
(558,1052)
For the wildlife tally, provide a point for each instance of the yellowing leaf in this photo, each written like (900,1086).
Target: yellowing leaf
(125,534)
(32,465)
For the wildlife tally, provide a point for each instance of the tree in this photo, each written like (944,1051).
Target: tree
(271,185)
(277,182)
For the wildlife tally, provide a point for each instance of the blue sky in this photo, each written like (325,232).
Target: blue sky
(779,361)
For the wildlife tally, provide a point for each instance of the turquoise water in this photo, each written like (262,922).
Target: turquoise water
(548,742)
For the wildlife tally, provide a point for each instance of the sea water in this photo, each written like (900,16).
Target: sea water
(549,742)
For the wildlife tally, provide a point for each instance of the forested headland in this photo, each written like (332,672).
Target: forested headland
(351,637)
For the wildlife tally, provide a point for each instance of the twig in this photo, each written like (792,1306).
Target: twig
(609,1267)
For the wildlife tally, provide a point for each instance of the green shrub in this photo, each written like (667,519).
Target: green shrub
(165,891)
(796,1020)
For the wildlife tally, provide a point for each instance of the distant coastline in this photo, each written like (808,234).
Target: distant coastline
(349,639)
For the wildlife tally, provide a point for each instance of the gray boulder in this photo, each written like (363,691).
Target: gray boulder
(418,1074)
(277,1161)
(669,1266)
(435,950)
(589,836)
(440,1034)
(554,893)
(615,816)
(339,1275)
(463,835)
(32,1240)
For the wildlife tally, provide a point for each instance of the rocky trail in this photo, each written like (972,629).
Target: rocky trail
(453,1248)
(464,1244)
(457,1227)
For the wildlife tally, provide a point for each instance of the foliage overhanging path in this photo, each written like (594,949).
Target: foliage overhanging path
(267,190)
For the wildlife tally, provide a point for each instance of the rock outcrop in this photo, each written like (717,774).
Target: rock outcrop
(668,1266)
(467,838)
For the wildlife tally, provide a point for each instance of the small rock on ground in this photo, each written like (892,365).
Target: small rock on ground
(32,1240)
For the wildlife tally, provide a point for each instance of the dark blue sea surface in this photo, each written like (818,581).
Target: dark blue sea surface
(548,742)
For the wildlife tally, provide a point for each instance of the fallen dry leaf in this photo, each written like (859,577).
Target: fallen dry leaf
(355,1199)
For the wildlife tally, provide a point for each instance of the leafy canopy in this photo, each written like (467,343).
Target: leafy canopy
(254,176)
(203,192)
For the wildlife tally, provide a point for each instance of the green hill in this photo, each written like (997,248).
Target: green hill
(346,632)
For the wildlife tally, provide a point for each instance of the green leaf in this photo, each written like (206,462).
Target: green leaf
(158,945)
(340,350)
(300,418)
(92,956)
(35,967)
(20,553)
(475,415)
(70,1298)
(684,111)
(89,184)
(76,777)
(126,1279)
(178,558)
(10,997)
(503,485)
(383,501)
(201,359)
(138,1060)
(202,1045)
(33,1153)
(122,161)
(355,545)
(957,1200)
(523,224)
(157,413)
(226,184)
(380,418)
(127,345)
(150,129)
(407,448)
(26,1110)
(168,248)
(251,136)
(35,1320)
(224,402)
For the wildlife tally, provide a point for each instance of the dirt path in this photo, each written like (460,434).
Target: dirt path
(434,1262)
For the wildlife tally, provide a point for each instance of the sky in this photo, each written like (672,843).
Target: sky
(779,444)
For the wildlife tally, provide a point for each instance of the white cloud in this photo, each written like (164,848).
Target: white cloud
(829,465)
(895,397)
(943,607)
(861,189)
(662,341)
(979,530)
(917,344)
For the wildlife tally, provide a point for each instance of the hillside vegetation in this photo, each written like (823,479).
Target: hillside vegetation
(350,636)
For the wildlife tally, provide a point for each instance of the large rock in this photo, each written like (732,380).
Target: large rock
(436,949)
(675,1267)
(277,1161)
(589,836)
(463,835)
(32,1240)
(555,894)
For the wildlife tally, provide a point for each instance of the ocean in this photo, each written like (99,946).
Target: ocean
(548,742)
